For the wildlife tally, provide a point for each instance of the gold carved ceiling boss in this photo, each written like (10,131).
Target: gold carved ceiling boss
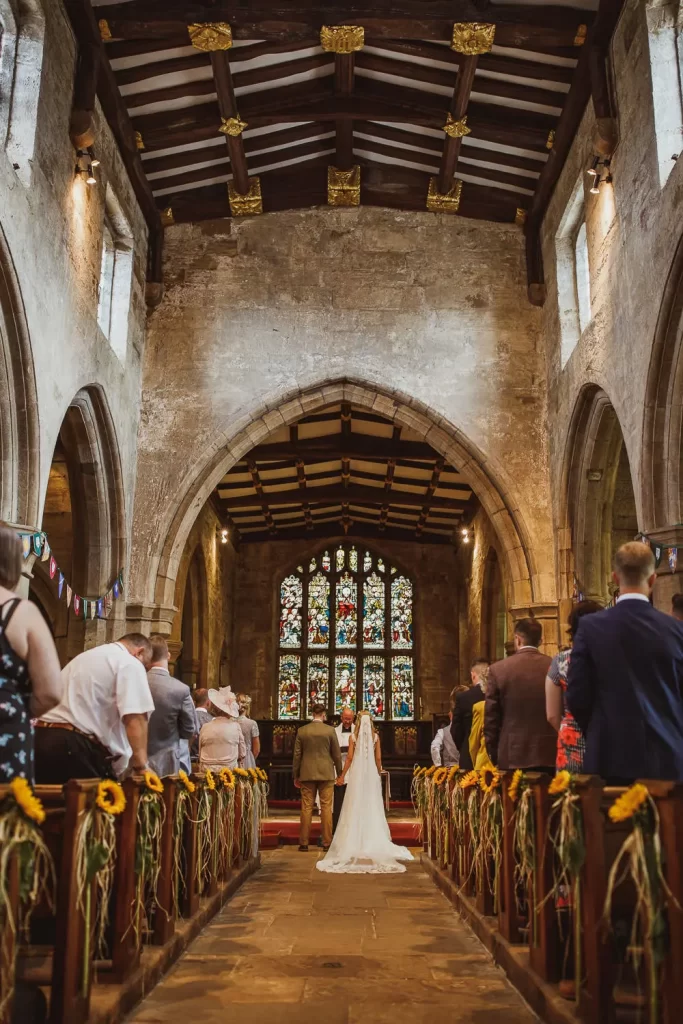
(343,187)
(342,38)
(249,204)
(444,202)
(210,36)
(472,37)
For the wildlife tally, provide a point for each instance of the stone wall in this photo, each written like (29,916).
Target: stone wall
(424,308)
(260,569)
(633,230)
(50,252)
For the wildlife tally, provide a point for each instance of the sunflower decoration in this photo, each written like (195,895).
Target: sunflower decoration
(452,772)
(187,783)
(242,772)
(629,803)
(227,778)
(490,779)
(513,788)
(440,776)
(430,771)
(263,774)
(253,774)
(26,801)
(470,779)
(560,784)
(110,797)
(209,780)
(153,782)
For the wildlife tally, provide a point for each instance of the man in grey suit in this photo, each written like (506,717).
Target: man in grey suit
(317,763)
(173,718)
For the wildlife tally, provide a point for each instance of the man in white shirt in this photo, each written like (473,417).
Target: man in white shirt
(444,751)
(344,732)
(99,728)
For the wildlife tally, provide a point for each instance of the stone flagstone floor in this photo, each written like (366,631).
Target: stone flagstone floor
(299,947)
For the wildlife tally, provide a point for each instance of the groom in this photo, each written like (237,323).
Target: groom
(317,762)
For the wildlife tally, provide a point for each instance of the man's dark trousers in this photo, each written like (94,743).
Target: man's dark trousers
(339,794)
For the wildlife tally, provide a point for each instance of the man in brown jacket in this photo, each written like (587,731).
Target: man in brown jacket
(317,762)
(516,729)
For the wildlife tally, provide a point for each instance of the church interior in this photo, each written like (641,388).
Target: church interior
(335,338)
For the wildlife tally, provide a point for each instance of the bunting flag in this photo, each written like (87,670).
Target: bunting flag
(673,559)
(99,607)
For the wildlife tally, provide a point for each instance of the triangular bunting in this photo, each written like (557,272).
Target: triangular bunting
(46,549)
(26,544)
(60,584)
(37,543)
(69,592)
(53,567)
(77,604)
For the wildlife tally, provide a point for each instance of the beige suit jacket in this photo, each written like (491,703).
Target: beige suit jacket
(317,757)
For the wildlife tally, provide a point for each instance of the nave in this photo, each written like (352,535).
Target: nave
(297,947)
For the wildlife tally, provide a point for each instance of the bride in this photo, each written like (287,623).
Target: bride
(362,842)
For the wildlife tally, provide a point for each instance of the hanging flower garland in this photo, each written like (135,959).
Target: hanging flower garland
(440,798)
(639,861)
(261,789)
(95,862)
(22,842)
(491,832)
(225,820)
(246,792)
(151,813)
(524,845)
(469,784)
(418,796)
(459,816)
(181,812)
(207,794)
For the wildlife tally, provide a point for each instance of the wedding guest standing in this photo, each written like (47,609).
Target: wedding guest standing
(202,706)
(571,744)
(99,728)
(465,699)
(173,718)
(249,730)
(625,682)
(516,730)
(30,680)
(221,741)
(444,751)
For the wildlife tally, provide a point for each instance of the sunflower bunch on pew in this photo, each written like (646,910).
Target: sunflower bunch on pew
(181,811)
(441,802)
(21,843)
(458,810)
(95,862)
(225,819)
(261,795)
(524,842)
(418,796)
(469,784)
(246,791)
(205,850)
(490,842)
(151,813)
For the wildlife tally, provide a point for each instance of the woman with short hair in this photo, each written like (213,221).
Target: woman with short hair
(30,675)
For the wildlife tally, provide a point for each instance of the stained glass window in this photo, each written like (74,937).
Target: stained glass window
(373,611)
(401,612)
(402,689)
(346,637)
(373,685)
(318,611)
(346,611)
(291,600)
(344,682)
(289,691)
(318,681)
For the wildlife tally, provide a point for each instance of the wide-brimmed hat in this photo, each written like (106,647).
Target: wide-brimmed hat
(224,699)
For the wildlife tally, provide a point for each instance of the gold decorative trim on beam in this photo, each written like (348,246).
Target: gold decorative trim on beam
(580,37)
(550,141)
(520,217)
(456,129)
(139,142)
(343,187)
(232,126)
(167,217)
(105,31)
(210,36)
(472,37)
(342,38)
(444,202)
(250,203)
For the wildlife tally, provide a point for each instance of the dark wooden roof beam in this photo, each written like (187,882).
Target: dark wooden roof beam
(501,64)
(338,493)
(355,529)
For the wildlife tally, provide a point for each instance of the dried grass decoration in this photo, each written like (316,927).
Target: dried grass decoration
(204,829)
(524,845)
(246,792)
(459,816)
(151,815)
(418,796)
(639,862)
(490,851)
(22,850)
(95,861)
(181,812)
(469,783)
(225,820)
(440,800)
(261,789)
(565,834)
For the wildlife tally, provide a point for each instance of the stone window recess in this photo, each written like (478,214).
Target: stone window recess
(573,273)
(116,272)
(665,39)
(22,30)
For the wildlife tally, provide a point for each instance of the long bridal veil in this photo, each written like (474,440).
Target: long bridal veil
(362,842)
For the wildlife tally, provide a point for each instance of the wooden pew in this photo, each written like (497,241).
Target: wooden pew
(125,943)
(164,911)
(508,920)
(545,950)
(668,798)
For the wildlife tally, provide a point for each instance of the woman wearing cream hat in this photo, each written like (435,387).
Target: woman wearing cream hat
(221,742)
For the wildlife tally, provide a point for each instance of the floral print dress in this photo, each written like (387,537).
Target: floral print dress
(571,745)
(16,732)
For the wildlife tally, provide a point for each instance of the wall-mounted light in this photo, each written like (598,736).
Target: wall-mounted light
(465,535)
(85,166)
(595,171)
(224,536)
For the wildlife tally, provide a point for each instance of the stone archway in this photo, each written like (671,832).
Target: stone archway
(19,430)
(191,627)
(154,583)
(83,517)
(599,506)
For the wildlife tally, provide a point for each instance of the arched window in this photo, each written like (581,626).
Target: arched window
(346,637)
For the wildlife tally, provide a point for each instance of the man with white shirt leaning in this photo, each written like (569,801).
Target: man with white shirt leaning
(99,728)
(444,751)
(344,732)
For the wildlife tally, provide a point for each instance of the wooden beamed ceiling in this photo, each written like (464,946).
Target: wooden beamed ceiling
(344,471)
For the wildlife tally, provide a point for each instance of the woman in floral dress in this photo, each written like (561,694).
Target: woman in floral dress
(571,744)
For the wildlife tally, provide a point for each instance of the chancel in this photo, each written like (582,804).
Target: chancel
(341,365)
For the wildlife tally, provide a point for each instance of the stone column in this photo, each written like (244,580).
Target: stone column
(668,583)
(547,615)
(174,649)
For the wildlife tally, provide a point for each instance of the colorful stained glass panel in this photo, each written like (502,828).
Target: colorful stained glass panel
(291,601)
(344,682)
(402,690)
(353,560)
(373,612)
(339,559)
(318,611)
(367,562)
(401,612)
(289,687)
(326,563)
(373,685)
(347,611)
(318,681)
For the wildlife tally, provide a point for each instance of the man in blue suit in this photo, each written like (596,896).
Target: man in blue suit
(625,683)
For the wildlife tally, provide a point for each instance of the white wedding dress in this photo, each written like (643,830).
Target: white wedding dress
(362,843)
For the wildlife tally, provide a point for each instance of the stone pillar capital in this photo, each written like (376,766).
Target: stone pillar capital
(150,618)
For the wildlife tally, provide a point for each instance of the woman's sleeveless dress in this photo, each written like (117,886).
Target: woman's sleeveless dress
(16,732)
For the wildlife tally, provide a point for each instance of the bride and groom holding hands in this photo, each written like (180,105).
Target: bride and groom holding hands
(362,841)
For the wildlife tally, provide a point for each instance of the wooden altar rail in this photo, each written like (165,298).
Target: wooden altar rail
(55,954)
(532,933)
